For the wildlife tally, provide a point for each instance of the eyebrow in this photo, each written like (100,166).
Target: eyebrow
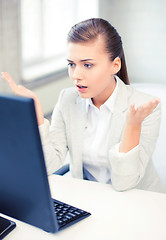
(84,60)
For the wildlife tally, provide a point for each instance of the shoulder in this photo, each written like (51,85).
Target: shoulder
(128,94)
(68,96)
(69,93)
(132,94)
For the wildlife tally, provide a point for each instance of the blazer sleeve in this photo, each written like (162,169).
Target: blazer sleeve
(128,169)
(54,140)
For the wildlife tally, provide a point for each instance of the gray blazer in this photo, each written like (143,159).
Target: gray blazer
(128,170)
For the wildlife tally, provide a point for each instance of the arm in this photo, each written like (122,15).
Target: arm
(129,167)
(54,141)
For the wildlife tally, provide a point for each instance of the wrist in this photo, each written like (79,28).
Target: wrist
(130,137)
(134,127)
(39,111)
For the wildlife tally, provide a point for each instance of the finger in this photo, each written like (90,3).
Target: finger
(156,101)
(147,108)
(9,79)
(152,104)
(6,76)
(132,108)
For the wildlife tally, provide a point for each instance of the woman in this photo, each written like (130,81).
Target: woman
(108,127)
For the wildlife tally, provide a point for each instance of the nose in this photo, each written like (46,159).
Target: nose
(77,73)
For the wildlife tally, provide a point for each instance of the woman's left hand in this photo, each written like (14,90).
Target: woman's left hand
(134,119)
(136,115)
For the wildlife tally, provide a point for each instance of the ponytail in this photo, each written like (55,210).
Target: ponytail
(122,74)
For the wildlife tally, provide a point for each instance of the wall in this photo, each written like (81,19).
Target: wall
(142,26)
(10,55)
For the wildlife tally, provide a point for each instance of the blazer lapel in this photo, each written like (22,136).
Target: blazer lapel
(119,114)
(78,118)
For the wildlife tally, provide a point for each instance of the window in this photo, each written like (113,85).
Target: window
(44,25)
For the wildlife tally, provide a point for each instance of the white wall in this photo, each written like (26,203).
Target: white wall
(142,26)
(10,40)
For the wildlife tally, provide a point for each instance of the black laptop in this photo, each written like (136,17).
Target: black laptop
(24,187)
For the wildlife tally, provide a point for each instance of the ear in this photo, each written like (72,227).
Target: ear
(116,65)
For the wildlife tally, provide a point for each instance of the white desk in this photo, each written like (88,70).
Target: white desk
(131,215)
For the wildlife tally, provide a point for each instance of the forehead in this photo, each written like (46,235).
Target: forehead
(89,50)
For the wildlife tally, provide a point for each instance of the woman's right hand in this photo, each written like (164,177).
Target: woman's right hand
(22,91)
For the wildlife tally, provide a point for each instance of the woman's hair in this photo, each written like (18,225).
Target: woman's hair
(90,29)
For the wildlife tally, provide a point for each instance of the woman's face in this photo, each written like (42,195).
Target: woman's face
(91,70)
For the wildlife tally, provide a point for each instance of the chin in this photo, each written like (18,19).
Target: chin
(85,95)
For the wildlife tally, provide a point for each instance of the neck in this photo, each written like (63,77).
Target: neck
(102,98)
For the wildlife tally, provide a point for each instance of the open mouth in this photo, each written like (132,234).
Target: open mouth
(81,87)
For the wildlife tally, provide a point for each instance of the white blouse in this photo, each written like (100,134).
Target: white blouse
(96,139)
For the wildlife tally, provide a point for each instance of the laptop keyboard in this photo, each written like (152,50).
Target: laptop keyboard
(67,214)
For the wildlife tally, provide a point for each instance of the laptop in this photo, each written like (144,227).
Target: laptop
(24,188)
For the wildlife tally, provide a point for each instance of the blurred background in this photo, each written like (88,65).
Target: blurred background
(33,40)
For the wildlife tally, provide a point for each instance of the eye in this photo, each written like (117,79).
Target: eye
(70,64)
(87,65)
